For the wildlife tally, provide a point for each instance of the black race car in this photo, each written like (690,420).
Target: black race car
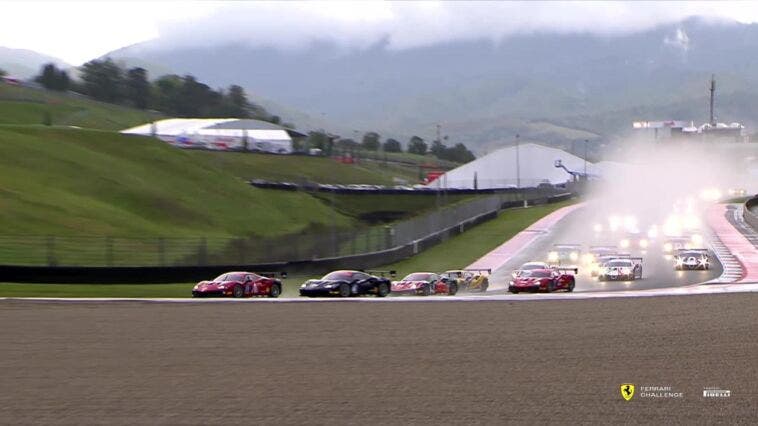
(348,283)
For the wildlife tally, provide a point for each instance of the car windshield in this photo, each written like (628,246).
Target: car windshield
(340,275)
(691,254)
(229,277)
(539,273)
(417,277)
(620,263)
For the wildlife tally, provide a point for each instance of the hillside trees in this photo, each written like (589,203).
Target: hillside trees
(138,88)
(417,146)
(392,145)
(103,80)
(371,141)
(53,78)
(180,96)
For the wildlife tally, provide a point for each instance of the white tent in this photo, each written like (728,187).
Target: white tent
(499,170)
(218,134)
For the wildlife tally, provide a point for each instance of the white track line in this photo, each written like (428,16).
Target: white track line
(673,291)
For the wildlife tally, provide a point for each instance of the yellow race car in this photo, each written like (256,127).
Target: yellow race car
(469,279)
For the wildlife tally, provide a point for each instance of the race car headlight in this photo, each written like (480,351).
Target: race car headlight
(552,256)
(679,261)
(574,256)
(303,285)
(703,260)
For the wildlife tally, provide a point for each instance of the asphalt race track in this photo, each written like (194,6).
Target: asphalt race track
(576,228)
(493,362)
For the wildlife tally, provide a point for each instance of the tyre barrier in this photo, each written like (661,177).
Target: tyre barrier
(750,212)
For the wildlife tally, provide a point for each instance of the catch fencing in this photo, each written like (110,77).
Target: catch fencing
(91,251)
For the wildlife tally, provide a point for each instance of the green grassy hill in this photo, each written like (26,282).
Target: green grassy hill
(20,105)
(59,181)
(297,168)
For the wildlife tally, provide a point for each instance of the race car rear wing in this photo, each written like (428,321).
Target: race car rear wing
(575,270)
(282,274)
(487,270)
(622,255)
(391,273)
(603,247)
(705,250)
(677,239)
(567,246)
(636,260)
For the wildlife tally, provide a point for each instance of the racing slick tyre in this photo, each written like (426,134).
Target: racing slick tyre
(452,289)
(344,290)
(383,290)
(571,286)
(275,291)
(550,287)
(485,286)
(427,290)
(238,291)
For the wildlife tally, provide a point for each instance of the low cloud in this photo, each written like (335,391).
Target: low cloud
(403,25)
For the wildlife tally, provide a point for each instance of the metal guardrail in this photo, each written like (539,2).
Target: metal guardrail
(200,251)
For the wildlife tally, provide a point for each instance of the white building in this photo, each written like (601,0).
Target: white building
(225,134)
(536,164)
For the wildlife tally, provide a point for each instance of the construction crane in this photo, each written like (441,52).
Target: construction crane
(575,175)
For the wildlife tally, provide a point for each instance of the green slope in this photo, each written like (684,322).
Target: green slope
(20,105)
(297,168)
(59,181)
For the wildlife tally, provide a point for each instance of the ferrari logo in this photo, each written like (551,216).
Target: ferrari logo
(627,391)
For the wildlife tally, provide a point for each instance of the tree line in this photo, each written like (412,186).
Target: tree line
(372,142)
(173,95)
(185,96)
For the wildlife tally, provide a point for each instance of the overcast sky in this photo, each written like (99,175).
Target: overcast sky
(79,31)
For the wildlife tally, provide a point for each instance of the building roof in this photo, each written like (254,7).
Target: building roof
(498,169)
(179,126)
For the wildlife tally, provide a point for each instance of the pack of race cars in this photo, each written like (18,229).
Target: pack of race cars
(347,283)
(606,263)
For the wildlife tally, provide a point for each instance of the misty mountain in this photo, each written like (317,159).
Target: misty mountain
(23,63)
(544,86)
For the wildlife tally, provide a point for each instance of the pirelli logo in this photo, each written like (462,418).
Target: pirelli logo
(716,393)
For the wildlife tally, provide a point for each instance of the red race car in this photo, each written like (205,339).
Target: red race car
(424,284)
(239,284)
(546,280)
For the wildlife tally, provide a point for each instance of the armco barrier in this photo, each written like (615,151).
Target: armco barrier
(750,212)
(172,274)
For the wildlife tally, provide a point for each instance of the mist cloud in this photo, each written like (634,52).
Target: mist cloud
(403,25)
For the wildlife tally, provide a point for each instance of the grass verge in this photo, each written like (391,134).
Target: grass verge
(456,252)
(464,249)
